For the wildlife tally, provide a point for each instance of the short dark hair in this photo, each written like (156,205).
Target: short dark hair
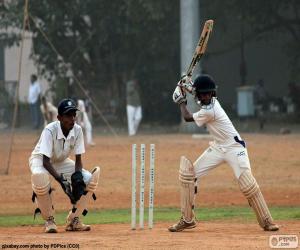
(33,77)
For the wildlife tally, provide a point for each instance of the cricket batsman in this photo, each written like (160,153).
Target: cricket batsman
(227,146)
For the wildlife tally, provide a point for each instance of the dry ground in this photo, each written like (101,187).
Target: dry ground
(208,235)
(275,161)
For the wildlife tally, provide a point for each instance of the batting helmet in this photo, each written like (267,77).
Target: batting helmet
(204,84)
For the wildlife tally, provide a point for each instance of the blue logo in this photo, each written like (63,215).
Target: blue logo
(241,153)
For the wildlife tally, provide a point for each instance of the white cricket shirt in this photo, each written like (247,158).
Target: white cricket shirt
(81,105)
(217,122)
(34,92)
(56,146)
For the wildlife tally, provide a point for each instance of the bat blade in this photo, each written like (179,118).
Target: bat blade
(201,46)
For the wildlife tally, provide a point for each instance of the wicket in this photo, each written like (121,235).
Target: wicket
(142,186)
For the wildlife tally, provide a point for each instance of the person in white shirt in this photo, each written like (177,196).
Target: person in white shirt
(84,121)
(48,110)
(227,146)
(33,100)
(133,107)
(50,157)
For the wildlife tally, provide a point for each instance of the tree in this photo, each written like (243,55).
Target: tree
(103,43)
(269,19)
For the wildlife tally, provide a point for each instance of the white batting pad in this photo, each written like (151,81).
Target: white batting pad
(251,190)
(92,186)
(41,187)
(187,179)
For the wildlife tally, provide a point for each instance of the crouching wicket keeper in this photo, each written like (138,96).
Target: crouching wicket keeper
(51,157)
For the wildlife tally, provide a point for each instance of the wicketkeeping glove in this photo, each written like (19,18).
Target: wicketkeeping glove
(78,185)
(179,95)
(66,187)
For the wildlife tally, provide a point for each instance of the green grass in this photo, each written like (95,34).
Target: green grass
(160,214)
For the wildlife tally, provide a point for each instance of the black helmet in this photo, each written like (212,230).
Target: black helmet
(204,84)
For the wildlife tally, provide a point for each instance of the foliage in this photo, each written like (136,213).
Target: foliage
(103,43)
(269,19)
(5,104)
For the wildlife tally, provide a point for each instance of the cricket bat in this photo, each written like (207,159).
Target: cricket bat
(201,46)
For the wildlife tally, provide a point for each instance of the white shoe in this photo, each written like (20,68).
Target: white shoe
(50,226)
(182,225)
(77,225)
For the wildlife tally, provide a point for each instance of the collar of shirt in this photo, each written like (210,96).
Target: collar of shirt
(60,134)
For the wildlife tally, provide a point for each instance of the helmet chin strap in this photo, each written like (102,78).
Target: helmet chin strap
(205,106)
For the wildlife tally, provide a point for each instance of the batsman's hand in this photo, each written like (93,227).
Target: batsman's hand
(66,187)
(179,95)
(78,185)
(186,83)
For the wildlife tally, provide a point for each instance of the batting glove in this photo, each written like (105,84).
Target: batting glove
(78,185)
(186,83)
(179,95)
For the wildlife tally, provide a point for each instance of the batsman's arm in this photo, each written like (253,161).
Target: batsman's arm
(185,113)
(179,97)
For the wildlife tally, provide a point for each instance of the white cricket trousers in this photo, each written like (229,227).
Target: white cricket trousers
(134,117)
(236,156)
(87,127)
(66,167)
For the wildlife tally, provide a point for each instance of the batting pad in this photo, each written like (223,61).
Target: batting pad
(41,187)
(92,186)
(251,190)
(81,205)
(188,189)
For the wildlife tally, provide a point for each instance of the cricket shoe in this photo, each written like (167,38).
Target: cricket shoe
(76,225)
(50,226)
(182,225)
(271,227)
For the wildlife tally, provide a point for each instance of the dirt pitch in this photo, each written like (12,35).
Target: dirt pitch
(275,162)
